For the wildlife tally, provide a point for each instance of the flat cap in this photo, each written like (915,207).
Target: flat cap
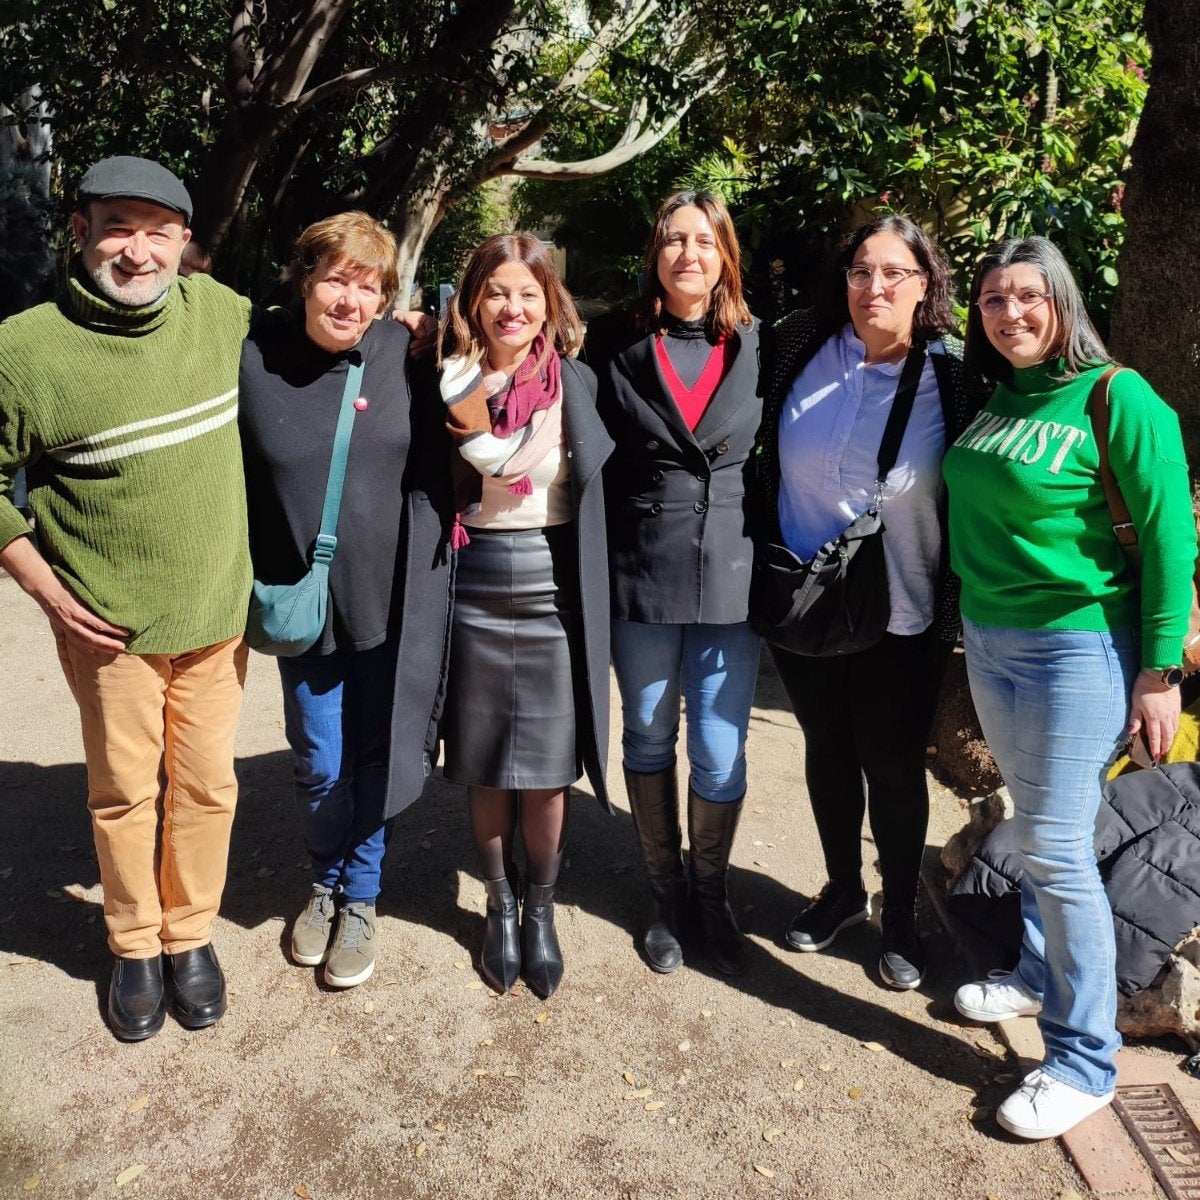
(139,179)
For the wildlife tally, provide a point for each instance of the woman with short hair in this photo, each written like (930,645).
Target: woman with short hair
(679,380)
(1069,651)
(839,369)
(527,703)
(359,705)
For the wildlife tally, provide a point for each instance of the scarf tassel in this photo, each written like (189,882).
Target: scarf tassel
(521,487)
(458,535)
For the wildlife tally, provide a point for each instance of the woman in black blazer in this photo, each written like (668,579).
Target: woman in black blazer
(679,393)
(527,697)
(866,715)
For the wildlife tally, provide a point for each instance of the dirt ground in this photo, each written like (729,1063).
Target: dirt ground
(804,1078)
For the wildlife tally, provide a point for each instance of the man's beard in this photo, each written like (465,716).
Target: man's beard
(138,292)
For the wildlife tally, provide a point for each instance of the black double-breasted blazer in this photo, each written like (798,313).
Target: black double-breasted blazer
(679,523)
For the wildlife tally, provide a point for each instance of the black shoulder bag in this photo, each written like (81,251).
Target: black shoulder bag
(837,601)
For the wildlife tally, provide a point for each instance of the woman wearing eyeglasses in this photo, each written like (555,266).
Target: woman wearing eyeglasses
(1068,654)
(866,715)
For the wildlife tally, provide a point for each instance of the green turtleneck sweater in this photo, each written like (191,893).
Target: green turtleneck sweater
(1030,530)
(126,420)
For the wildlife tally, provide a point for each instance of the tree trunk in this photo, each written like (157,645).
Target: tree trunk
(417,217)
(1156,316)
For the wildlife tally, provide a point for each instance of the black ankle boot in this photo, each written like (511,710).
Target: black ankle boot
(540,950)
(137,1003)
(902,962)
(710,833)
(654,802)
(199,987)
(500,960)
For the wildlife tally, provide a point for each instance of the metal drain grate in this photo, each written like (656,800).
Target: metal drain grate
(1166,1136)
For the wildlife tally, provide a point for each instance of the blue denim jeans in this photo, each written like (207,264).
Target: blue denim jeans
(337,713)
(715,667)
(1053,705)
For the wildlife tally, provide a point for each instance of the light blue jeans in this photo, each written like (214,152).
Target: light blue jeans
(1054,705)
(715,668)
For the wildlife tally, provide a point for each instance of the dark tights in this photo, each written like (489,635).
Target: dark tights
(866,718)
(543,819)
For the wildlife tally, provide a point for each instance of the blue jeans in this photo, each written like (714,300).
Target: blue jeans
(337,712)
(715,667)
(1053,705)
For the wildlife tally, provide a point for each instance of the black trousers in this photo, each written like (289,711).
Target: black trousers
(866,719)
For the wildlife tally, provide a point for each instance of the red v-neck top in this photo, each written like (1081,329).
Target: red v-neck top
(692,401)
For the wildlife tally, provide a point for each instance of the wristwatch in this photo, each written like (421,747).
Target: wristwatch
(1172,676)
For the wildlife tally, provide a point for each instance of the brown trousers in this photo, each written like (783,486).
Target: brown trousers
(158,734)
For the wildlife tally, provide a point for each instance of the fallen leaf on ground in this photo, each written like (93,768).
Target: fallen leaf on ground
(291,987)
(980,1114)
(476,985)
(302,1192)
(542,1017)
(420,1149)
(876,1046)
(31,1182)
(512,1074)
(630,1078)
(333,1051)
(787,1062)
(640,1094)
(770,1134)
(655,1105)
(798,1086)
(854,1093)
(1184,1160)
(460,966)
(130,1174)
(389,1037)
(1070,1194)
(765,1172)
(983,1051)
(438,1126)
(487,1042)
(685,1045)
(824,1066)
(369,1006)
(138,1104)
(425,844)
(706,1013)
(479,1072)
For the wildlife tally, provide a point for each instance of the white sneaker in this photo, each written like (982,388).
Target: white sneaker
(1043,1107)
(1000,996)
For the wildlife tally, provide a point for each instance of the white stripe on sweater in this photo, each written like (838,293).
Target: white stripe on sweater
(109,435)
(156,442)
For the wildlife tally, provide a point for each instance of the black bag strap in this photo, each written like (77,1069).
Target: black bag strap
(902,406)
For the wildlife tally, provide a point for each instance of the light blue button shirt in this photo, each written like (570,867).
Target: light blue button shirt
(829,434)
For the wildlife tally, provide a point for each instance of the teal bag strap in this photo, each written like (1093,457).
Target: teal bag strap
(326,543)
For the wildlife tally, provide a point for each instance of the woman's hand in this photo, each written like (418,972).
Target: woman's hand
(1154,712)
(423,329)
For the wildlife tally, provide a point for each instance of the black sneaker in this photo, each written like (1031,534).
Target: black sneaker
(902,963)
(836,908)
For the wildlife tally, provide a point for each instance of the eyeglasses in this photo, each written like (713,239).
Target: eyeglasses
(860,277)
(996,304)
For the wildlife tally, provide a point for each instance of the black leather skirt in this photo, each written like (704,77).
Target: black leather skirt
(516,661)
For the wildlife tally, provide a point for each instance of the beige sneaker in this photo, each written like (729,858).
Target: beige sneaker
(313,928)
(352,957)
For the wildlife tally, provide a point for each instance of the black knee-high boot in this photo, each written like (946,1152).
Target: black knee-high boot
(654,802)
(711,828)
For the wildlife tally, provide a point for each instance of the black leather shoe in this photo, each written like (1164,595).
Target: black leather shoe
(902,963)
(500,959)
(540,952)
(199,986)
(137,1005)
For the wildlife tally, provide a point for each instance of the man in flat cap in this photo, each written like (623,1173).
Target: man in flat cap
(120,399)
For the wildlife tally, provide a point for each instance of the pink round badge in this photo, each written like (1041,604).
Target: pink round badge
(361,404)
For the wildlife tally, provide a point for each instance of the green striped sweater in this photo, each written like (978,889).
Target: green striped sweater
(126,420)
